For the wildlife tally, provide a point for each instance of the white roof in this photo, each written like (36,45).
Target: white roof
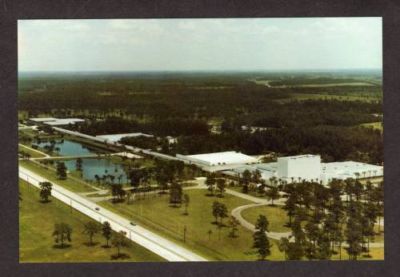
(57,121)
(349,168)
(299,157)
(118,137)
(230,157)
(64,121)
(43,119)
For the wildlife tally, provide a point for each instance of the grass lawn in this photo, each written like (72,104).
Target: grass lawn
(34,154)
(36,223)
(156,214)
(75,186)
(276,216)
(250,192)
(373,125)
(376,254)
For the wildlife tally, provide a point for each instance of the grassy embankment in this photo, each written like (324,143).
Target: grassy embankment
(73,185)
(32,153)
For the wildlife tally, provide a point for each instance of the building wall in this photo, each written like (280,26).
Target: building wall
(305,167)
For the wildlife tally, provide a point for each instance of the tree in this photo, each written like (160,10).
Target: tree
(175,194)
(117,192)
(221,186)
(353,232)
(106,231)
(219,210)
(209,234)
(312,232)
(256,176)
(215,210)
(78,164)
(61,171)
(135,177)
(290,206)
(186,200)
(45,191)
(91,228)
(272,194)
(210,182)
(261,241)
(246,178)
(119,240)
(293,250)
(233,223)
(62,232)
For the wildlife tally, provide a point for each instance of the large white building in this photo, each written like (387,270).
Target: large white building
(307,167)
(349,169)
(310,168)
(219,159)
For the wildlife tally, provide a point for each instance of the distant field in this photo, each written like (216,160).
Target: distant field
(373,125)
(328,85)
(324,96)
(36,223)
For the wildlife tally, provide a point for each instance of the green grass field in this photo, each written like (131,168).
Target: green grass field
(276,216)
(156,214)
(373,125)
(36,223)
(75,186)
(251,192)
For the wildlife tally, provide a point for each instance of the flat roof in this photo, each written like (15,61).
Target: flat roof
(349,166)
(228,157)
(64,121)
(43,119)
(56,121)
(118,137)
(299,157)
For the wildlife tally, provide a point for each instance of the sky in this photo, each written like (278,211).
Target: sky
(200,44)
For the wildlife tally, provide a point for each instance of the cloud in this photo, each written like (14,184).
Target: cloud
(183,44)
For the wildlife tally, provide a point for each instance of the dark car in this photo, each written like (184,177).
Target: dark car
(97,209)
(131,223)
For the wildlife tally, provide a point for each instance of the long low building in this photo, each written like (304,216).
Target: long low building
(218,159)
(52,121)
(118,137)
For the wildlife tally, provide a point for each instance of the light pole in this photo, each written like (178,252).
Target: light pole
(184,233)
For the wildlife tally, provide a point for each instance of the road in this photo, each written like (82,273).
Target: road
(155,243)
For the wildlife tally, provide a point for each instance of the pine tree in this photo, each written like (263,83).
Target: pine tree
(261,241)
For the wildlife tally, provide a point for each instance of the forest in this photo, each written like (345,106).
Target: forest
(207,112)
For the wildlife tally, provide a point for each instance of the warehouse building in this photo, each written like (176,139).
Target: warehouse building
(117,137)
(309,168)
(52,121)
(218,159)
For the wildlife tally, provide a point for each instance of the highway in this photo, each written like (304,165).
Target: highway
(155,243)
